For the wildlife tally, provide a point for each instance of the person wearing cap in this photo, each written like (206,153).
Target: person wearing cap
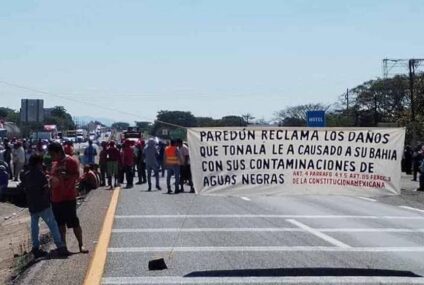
(63,177)
(150,156)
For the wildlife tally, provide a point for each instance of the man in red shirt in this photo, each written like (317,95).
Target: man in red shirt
(63,177)
(128,162)
(113,162)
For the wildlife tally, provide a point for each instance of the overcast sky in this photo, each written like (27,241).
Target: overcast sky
(213,58)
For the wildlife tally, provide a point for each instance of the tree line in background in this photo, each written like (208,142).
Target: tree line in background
(58,116)
(375,103)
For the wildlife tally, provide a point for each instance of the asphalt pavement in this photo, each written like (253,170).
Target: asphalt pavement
(265,240)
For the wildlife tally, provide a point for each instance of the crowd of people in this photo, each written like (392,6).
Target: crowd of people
(49,178)
(152,159)
(52,176)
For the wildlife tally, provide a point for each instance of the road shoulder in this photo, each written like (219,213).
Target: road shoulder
(73,269)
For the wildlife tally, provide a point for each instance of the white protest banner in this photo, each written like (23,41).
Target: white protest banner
(267,160)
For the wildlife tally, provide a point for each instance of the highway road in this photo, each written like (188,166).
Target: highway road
(264,240)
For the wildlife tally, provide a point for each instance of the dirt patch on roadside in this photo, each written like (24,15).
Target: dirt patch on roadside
(15,236)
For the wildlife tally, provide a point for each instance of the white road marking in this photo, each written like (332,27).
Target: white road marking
(245,198)
(263,249)
(413,209)
(327,230)
(190,230)
(268,216)
(367,199)
(319,234)
(265,280)
(369,230)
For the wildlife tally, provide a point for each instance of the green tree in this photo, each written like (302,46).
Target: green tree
(247,117)
(61,118)
(170,120)
(120,126)
(296,115)
(206,122)
(9,115)
(232,121)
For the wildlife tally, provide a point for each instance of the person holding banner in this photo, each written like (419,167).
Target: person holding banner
(172,161)
(185,170)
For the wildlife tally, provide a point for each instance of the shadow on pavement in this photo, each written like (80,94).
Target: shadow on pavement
(314,271)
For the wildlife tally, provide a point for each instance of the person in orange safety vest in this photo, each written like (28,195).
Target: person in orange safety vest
(172,161)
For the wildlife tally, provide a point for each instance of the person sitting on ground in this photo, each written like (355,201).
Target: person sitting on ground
(36,188)
(88,181)
(95,169)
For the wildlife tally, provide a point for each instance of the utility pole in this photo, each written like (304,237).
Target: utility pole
(411,67)
(347,99)
(412,64)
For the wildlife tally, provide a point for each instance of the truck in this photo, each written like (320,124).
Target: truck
(133,134)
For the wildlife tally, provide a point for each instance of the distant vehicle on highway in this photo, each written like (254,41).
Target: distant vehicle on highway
(133,134)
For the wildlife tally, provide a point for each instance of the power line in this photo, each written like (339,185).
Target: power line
(67,98)
(83,102)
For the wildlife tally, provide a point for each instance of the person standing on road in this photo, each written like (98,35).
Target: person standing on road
(18,159)
(36,188)
(172,161)
(63,177)
(150,156)
(103,163)
(417,157)
(7,157)
(113,162)
(185,166)
(161,147)
(407,160)
(141,165)
(90,153)
(128,163)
